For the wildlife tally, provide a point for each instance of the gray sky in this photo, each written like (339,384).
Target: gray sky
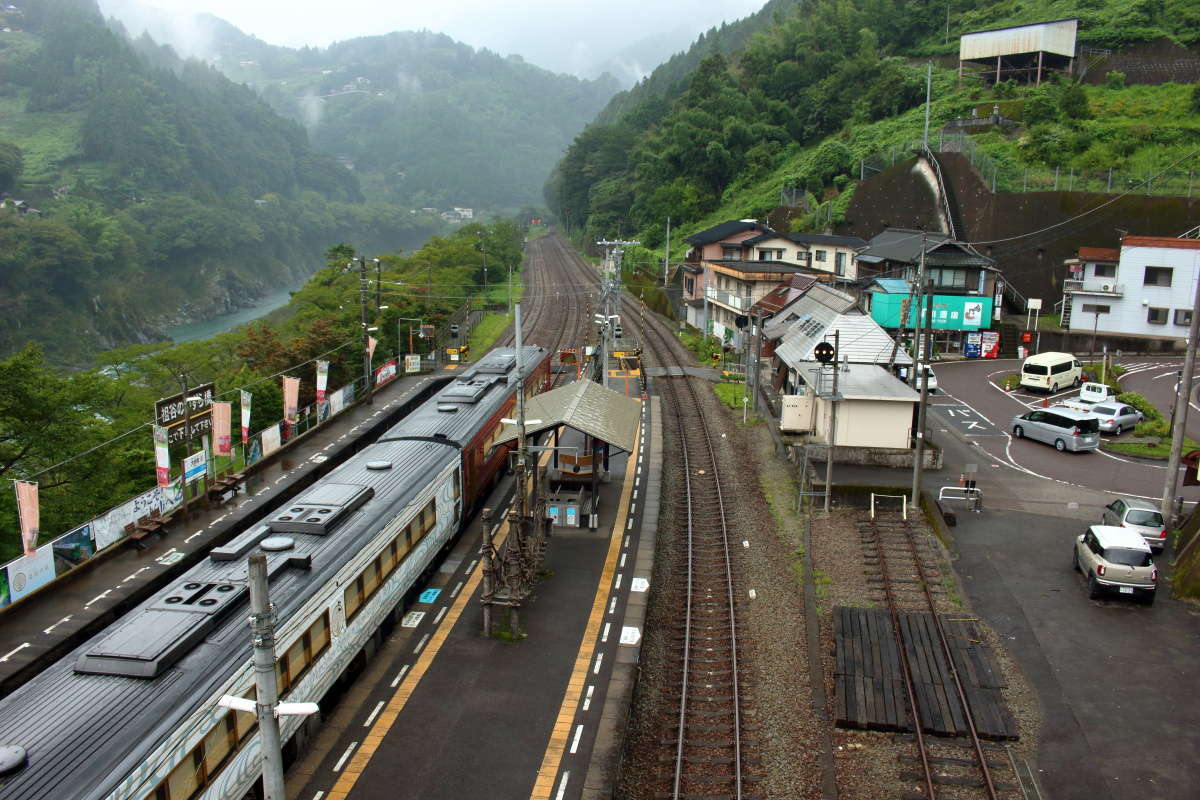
(561,35)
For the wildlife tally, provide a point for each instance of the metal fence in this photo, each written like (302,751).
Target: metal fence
(1004,178)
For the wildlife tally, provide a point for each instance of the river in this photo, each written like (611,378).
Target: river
(195,331)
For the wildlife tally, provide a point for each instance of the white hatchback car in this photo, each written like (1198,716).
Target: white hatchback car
(1115,560)
(1140,516)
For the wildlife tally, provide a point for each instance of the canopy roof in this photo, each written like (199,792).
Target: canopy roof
(585,406)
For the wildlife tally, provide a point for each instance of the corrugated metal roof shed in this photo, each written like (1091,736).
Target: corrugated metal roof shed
(866,382)
(585,406)
(892,285)
(1048,37)
(862,340)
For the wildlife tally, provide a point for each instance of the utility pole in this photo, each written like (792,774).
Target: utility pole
(262,627)
(929,93)
(837,367)
(510,304)
(756,321)
(667,255)
(378,284)
(1182,394)
(918,324)
(362,306)
(919,452)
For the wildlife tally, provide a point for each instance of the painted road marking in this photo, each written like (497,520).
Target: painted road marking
(623,555)
(412,619)
(193,536)
(562,785)
(457,589)
(578,736)
(341,762)
(587,701)
(429,595)
(599,661)
(420,644)
(631,635)
(55,625)
(371,718)
(604,635)
(15,650)
(98,597)
(441,613)
(399,676)
(319,795)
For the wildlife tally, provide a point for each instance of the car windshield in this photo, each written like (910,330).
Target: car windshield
(1104,409)
(1035,369)
(1088,425)
(1140,516)
(1126,557)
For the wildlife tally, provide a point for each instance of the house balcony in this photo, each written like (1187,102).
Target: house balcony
(733,302)
(1102,287)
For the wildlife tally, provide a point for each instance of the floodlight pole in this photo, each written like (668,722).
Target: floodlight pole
(262,627)
(837,356)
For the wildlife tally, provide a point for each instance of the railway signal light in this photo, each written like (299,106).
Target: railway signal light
(453,331)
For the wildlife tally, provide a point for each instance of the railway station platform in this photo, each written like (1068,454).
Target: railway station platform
(55,619)
(442,711)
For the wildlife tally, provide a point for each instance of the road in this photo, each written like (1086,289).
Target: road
(971,403)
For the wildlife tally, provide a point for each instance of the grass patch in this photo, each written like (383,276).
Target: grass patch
(1009,382)
(1162,450)
(1112,374)
(484,335)
(821,581)
(731,394)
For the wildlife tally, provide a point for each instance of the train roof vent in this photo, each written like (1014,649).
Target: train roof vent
(497,364)
(149,642)
(321,509)
(467,392)
(448,408)
(12,758)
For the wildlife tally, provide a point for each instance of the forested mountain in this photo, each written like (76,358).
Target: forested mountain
(152,190)
(423,119)
(796,95)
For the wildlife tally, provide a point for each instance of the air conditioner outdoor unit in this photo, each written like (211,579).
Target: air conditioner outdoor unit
(1106,287)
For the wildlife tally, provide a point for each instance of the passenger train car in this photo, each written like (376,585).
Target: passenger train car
(132,714)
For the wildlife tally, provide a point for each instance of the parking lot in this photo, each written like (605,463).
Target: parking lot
(1116,678)
(971,403)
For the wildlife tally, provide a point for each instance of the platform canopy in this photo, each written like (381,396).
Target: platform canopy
(587,407)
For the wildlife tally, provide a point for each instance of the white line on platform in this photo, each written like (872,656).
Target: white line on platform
(632,509)
(604,633)
(341,762)
(373,714)
(587,701)
(599,660)
(617,582)
(100,596)
(399,676)
(193,536)
(623,560)
(441,613)
(457,589)
(15,650)
(421,644)
(562,785)
(612,606)
(55,625)
(635,491)
(629,527)
(319,795)
(575,741)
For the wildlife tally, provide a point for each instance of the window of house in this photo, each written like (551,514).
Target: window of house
(1157,316)
(1105,270)
(1183,316)
(801,256)
(949,278)
(1089,308)
(1157,276)
(731,252)
(839,261)
(820,255)
(689,285)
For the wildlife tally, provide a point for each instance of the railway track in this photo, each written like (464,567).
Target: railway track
(707,746)
(908,577)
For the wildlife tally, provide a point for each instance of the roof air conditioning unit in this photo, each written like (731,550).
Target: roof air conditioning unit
(1106,287)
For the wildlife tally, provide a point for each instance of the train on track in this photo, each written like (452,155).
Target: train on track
(132,714)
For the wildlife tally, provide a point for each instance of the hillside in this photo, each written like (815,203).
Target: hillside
(161,191)
(824,93)
(424,120)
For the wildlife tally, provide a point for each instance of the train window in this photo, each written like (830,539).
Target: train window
(245,721)
(457,485)
(186,780)
(389,557)
(371,579)
(303,652)
(319,635)
(353,598)
(404,542)
(428,518)
(219,744)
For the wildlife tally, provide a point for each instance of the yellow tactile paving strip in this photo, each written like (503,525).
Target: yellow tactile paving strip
(561,733)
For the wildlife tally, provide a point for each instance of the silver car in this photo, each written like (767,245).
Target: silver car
(1140,516)
(1116,417)
(1064,428)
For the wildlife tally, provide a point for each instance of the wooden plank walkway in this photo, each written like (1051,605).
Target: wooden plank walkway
(869,682)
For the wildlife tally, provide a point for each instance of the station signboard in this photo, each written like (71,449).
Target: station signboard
(171,413)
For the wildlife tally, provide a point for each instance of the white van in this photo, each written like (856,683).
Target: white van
(1051,371)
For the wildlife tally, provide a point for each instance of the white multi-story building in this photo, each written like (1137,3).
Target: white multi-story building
(1148,292)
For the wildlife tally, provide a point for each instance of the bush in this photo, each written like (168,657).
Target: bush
(1114,80)
(1143,405)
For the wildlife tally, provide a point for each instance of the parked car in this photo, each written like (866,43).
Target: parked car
(1051,371)
(1065,428)
(925,373)
(1115,560)
(1089,395)
(1117,417)
(1139,516)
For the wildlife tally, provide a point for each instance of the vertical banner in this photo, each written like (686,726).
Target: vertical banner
(27,510)
(222,414)
(245,398)
(371,342)
(162,456)
(291,398)
(322,380)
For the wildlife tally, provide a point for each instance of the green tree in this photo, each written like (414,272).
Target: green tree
(12,164)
